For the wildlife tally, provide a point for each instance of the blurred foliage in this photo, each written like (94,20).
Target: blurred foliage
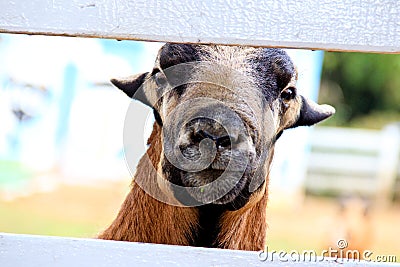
(364,88)
(14,173)
(20,220)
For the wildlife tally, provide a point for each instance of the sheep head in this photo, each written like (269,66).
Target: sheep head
(221,110)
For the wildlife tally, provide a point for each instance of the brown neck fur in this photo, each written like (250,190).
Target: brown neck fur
(244,229)
(145,219)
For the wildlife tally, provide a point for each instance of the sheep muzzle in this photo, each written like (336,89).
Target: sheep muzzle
(208,145)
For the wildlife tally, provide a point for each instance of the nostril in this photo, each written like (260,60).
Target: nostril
(223,142)
(200,135)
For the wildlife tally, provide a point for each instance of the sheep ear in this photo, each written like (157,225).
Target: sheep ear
(132,87)
(312,113)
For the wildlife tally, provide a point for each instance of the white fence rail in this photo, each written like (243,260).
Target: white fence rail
(354,161)
(39,251)
(369,25)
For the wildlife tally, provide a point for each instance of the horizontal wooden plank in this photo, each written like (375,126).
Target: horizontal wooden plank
(21,250)
(370,25)
(340,184)
(343,163)
(41,251)
(346,140)
(344,160)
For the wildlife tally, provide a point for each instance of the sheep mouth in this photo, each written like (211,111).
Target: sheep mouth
(209,175)
(216,186)
(222,179)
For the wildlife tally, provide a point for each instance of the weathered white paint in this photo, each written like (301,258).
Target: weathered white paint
(368,25)
(26,250)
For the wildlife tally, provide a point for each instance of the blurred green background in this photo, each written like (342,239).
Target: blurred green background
(364,89)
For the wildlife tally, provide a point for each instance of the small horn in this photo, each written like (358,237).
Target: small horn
(312,113)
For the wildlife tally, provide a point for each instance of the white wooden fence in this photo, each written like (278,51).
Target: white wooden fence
(40,251)
(354,161)
(370,25)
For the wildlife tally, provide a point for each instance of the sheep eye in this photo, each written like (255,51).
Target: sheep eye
(288,94)
(160,79)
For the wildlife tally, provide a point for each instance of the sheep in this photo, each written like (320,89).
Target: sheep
(351,231)
(218,112)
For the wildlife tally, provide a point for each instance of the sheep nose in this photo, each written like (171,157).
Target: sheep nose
(208,129)
(223,141)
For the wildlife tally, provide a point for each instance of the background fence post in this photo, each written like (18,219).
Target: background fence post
(388,163)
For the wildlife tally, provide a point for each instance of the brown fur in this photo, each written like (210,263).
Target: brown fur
(145,219)
(245,229)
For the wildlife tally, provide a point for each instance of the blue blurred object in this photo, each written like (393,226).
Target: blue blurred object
(56,102)
(67,96)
